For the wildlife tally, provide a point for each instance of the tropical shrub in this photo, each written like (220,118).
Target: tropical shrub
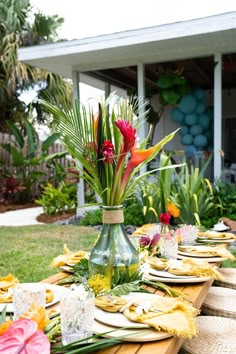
(225,195)
(26,157)
(193,195)
(58,200)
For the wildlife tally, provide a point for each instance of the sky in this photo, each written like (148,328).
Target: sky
(85,18)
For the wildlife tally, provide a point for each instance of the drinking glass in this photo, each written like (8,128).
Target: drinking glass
(188,234)
(77,315)
(168,246)
(24,295)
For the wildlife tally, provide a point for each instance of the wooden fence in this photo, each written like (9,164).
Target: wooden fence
(5,157)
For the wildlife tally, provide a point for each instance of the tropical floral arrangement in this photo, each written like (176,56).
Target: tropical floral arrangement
(106,145)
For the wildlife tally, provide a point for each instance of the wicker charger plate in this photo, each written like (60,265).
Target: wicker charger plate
(229,280)
(216,336)
(220,302)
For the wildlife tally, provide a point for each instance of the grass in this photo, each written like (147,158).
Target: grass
(27,251)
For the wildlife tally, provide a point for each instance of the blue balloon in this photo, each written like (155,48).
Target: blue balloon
(196,129)
(198,93)
(191,149)
(176,115)
(191,119)
(187,139)
(200,141)
(188,104)
(201,107)
(184,130)
(204,120)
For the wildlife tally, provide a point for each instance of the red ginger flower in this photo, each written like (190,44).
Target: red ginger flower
(107,151)
(129,135)
(165,218)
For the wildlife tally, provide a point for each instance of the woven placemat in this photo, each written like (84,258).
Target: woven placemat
(229,280)
(216,336)
(220,302)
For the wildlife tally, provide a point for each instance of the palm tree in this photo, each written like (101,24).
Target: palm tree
(19,27)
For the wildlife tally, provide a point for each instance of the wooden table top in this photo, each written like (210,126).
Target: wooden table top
(194,292)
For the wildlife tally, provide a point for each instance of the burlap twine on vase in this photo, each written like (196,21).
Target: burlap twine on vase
(112,216)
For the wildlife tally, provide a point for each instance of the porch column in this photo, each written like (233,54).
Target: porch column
(217,116)
(107,89)
(141,98)
(142,133)
(80,185)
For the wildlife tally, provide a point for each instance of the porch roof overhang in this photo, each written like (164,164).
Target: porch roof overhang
(182,40)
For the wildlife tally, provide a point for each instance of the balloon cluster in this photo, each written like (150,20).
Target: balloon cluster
(196,121)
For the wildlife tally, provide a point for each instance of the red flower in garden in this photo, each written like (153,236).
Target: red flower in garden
(165,218)
(107,151)
(129,134)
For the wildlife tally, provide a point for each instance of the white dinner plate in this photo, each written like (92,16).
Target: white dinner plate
(58,292)
(208,259)
(165,274)
(130,335)
(135,332)
(215,240)
(188,280)
(196,255)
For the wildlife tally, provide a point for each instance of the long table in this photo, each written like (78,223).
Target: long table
(194,292)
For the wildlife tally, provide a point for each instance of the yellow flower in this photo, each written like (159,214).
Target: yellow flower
(37,314)
(4,326)
(99,283)
(173,210)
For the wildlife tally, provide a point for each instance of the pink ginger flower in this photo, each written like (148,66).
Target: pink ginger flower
(107,151)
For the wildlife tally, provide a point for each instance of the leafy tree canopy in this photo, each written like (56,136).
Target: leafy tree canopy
(20,27)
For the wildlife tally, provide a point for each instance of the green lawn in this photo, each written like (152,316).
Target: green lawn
(27,251)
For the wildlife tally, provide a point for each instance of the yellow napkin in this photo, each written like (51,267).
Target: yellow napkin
(177,316)
(195,267)
(215,234)
(219,251)
(110,306)
(7,283)
(142,230)
(157,263)
(68,257)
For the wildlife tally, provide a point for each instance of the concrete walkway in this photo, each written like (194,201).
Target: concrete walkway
(21,217)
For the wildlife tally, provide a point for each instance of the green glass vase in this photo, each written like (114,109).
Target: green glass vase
(113,255)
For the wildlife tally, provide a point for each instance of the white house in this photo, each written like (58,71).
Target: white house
(205,48)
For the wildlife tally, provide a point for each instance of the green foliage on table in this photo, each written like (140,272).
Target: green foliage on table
(193,194)
(58,200)
(26,157)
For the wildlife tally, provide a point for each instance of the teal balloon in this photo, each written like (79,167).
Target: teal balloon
(201,107)
(187,139)
(196,129)
(188,104)
(191,119)
(191,149)
(204,120)
(176,115)
(184,130)
(199,93)
(200,141)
